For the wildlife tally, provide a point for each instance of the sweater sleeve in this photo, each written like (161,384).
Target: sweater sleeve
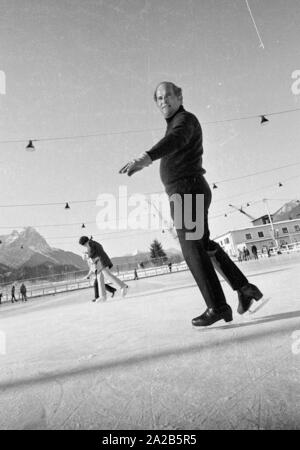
(176,138)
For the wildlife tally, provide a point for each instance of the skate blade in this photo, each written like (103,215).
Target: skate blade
(261,304)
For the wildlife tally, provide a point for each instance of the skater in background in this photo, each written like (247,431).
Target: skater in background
(254,251)
(0,297)
(93,271)
(246,254)
(23,292)
(240,255)
(135,275)
(13,298)
(103,265)
(180,152)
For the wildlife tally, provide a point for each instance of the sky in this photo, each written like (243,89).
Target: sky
(77,68)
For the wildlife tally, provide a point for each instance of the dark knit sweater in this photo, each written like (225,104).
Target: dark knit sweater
(181,149)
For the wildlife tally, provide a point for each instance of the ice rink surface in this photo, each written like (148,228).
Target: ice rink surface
(137,363)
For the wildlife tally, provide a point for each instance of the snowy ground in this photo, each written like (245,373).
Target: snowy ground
(137,363)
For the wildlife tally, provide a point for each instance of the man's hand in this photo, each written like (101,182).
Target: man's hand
(136,164)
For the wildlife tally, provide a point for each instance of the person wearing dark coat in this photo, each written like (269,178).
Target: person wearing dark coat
(13,297)
(103,265)
(135,275)
(23,292)
(254,251)
(93,270)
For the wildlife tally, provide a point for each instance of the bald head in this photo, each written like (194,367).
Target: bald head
(168,84)
(168,98)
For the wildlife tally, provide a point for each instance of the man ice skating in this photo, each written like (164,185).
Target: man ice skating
(180,153)
(103,265)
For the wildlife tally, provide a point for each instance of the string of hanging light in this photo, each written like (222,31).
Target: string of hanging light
(31,147)
(214,186)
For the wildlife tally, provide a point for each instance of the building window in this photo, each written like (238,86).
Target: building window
(285,230)
(248,236)
(226,240)
(297,228)
(260,234)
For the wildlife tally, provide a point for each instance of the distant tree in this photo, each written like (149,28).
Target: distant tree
(157,253)
(176,258)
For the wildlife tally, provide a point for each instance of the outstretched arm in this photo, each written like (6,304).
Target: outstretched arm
(136,164)
(176,139)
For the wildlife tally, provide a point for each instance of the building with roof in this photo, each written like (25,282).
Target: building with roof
(260,234)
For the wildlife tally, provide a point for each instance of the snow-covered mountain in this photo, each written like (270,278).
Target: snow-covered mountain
(3,269)
(27,248)
(288,211)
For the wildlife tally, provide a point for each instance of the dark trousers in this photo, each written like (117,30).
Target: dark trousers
(109,288)
(203,256)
